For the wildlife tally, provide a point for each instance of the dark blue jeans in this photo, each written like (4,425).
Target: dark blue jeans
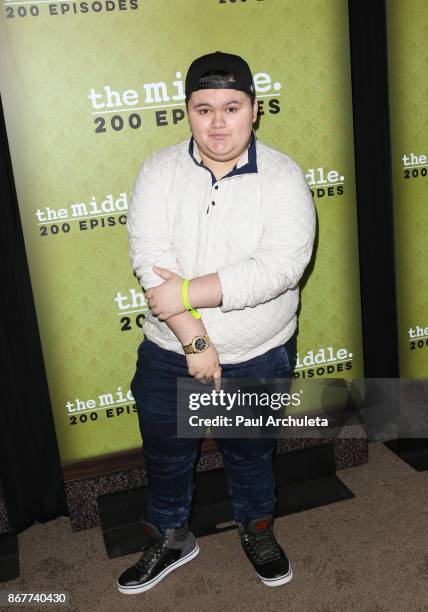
(170,461)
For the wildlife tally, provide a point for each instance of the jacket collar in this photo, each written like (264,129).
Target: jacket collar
(247,163)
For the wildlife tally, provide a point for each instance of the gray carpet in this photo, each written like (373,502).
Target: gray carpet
(368,554)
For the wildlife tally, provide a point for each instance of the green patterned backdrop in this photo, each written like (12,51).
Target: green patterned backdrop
(408,79)
(81,117)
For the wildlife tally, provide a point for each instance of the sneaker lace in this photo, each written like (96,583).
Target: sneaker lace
(151,553)
(262,545)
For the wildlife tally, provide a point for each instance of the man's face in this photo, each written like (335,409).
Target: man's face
(221,122)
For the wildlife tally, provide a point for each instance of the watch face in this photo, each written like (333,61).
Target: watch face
(199,344)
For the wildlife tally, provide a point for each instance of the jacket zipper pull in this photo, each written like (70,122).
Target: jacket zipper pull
(208,207)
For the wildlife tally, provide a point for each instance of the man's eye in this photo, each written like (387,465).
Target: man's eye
(232,109)
(203,111)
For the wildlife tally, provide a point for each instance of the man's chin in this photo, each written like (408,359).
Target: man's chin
(222,156)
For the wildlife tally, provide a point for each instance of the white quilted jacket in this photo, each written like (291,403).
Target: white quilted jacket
(255,229)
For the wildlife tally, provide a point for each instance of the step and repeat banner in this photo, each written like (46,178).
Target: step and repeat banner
(408,85)
(90,89)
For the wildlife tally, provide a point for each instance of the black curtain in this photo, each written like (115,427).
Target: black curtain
(30,469)
(369,68)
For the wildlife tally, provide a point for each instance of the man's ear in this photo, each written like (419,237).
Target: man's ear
(255,110)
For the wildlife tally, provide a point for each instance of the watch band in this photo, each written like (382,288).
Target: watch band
(187,306)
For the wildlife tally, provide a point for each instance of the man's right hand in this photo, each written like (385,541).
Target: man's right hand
(205,366)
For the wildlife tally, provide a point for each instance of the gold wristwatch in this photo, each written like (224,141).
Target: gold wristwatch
(199,344)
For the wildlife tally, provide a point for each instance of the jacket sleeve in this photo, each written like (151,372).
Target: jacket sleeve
(148,227)
(284,250)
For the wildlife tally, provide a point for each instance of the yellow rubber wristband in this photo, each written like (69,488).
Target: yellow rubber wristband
(187,306)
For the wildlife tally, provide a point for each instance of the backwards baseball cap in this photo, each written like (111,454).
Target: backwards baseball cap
(236,71)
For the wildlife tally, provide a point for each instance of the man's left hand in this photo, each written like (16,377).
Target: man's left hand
(166,300)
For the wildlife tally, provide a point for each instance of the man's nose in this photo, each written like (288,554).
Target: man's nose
(218,119)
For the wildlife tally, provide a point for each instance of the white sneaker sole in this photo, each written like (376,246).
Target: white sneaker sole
(273,582)
(151,583)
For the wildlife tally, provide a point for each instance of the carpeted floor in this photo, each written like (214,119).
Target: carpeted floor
(368,554)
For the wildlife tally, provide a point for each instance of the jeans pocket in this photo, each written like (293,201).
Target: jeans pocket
(285,358)
(288,354)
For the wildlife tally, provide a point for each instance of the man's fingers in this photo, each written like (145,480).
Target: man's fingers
(217,379)
(162,316)
(208,378)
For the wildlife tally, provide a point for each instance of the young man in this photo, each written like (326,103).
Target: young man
(236,218)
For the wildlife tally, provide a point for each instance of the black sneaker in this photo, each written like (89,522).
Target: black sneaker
(264,552)
(162,554)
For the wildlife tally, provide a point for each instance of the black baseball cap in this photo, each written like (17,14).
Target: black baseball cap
(218,61)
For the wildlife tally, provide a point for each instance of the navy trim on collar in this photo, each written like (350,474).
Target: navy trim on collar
(249,168)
